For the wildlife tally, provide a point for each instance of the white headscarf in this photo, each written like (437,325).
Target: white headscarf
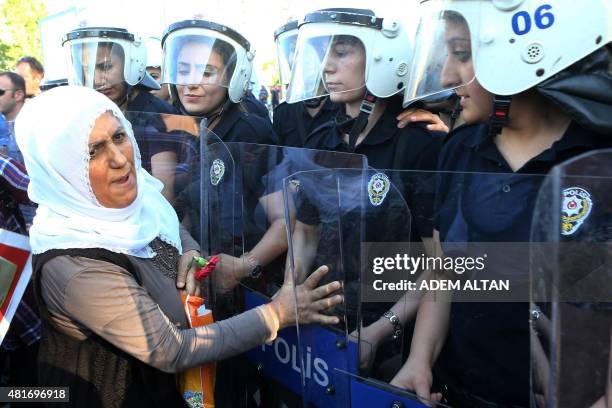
(52,131)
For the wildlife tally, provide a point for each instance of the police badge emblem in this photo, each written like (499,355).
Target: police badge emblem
(378,187)
(576,207)
(217,170)
(295,184)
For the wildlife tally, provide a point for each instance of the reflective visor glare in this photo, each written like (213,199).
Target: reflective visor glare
(286,54)
(198,60)
(443,56)
(97,65)
(327,65)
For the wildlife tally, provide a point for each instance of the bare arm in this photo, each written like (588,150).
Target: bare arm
(163,168)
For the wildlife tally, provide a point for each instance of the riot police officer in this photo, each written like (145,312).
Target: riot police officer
(154,60)
(364,60)
(208,66)
(113,61)
(293,122)
(525,111)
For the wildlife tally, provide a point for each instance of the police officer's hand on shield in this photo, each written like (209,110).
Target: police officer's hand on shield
(416,376)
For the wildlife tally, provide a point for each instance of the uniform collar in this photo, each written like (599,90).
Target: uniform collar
(227,121)
(573,138)
(383,130)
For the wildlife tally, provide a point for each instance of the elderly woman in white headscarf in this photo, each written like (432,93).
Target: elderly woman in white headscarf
(106,247)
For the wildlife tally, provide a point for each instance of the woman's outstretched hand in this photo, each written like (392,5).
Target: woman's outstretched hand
(308,299)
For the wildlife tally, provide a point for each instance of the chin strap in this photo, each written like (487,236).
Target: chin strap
(455,112)
(210,119)
(314,102)
(501,114)
(361,121)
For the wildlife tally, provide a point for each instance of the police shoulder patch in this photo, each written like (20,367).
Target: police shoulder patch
(378,187)
(217,170)
(575,209)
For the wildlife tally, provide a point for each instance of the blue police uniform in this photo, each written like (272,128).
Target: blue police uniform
(292,122)
(147,102)
(234,126)
(252,105)
(389,148)
(486,356)
(150,131)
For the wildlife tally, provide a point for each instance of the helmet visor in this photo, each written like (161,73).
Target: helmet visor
(443,53)
(285,49)
(97,65)
(327,65)
(195,59)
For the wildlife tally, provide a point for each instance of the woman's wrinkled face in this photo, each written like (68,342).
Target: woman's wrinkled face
(206,91)
(458,70)
(112,173)
(344,70)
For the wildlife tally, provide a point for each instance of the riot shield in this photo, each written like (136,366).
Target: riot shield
(168,148)
(247,231)
(571,268)
(359,224)
(477,266)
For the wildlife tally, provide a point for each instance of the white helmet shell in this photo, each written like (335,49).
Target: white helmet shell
(387,45)
(210,32)
(517,44)
(134,51)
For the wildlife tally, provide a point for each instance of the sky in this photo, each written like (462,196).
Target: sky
(254,19)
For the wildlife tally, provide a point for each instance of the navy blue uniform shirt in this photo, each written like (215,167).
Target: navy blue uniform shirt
(150,131)
(389,148)
(236,126)
(487,350)
(252,105)
(292,122)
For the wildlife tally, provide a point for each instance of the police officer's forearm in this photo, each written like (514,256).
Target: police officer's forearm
(431,327)
(272,244)
(305,242)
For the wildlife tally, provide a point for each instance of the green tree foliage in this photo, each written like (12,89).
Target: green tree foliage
(20,34)
(270,70)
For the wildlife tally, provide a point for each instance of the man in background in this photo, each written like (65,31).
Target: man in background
(32,71)
(12,98)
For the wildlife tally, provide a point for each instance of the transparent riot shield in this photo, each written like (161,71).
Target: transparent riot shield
(476,269)
(168,147)
(252,245)
(358,223)
(571,267)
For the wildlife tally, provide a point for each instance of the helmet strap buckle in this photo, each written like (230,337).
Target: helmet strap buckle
(501,114)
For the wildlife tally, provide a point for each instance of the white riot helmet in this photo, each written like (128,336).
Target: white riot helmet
(101,57)
(201,52)
(285,38)
(154,52)
(514,45)
(387,47)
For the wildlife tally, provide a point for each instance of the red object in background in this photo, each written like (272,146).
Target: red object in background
(16,271)
(19,257)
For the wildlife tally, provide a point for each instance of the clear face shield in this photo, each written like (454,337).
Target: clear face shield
(99,65)
(195,57)
(443,52)
(327,64)
(285,51)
